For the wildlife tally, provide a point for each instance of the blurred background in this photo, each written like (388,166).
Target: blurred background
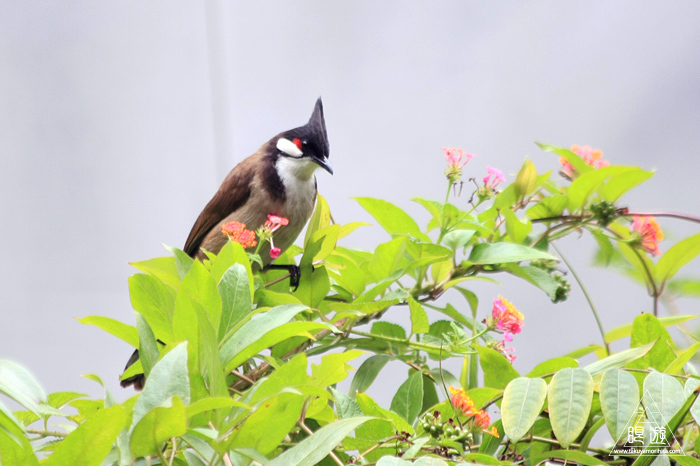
(119,120)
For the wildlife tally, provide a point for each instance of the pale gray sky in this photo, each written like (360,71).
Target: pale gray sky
(118,121)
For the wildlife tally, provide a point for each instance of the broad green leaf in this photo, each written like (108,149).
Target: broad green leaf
(552,365)
(516,229)
(157,427)
(163,268)
(617,360)
(60,399)
(333,368)
(620,184)
(535,276)
(574,159)
(232,253)
(202,288)
(155,302)
(328,237)
(647,329)
(583,187)
(394,220)
(619,397)
(236,300)
(499,253)
(490,443)
(626,330)
(314,285)
(678,255)
(419,318)
(457,239)
(169,378)
(367,372)
(314,448)
(183,262)
(120,330)
(522,402)
(91,442)
(267,426)
(345,230)
(393,461)
(550,206)
(388,258)
(570,396)
(15,449)
(497,370)
(371,408)
(320,218)
(344,405)
(666,396)
(599,351)
(291,374)
(346,273)
(429,461)
(148,348)
(389,329)
(210,366)
(686,460)
(209,404)
(690,386)
(409,397)
(17,383)
(441,271)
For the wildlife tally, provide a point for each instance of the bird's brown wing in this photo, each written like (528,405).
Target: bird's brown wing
(233,193)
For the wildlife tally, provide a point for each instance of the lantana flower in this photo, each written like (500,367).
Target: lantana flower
(453,156)
(590,156)
(648,233)
(464,403)
(504,316)
(237,232)
(494,177)
(272,224)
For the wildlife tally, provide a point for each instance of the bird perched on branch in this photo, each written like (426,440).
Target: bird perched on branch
(276,180)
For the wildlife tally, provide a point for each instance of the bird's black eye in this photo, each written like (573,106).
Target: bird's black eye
(304,142)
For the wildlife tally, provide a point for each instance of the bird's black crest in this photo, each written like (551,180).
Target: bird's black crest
(314,132)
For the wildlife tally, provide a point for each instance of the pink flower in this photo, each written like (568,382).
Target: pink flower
(275,252)
(494,177)
(649,232)
(274,222)
(453,156)
(591,157)
(506,317)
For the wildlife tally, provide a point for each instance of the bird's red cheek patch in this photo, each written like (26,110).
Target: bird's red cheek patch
(297,142)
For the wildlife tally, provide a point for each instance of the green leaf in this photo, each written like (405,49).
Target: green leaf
(619,397)
(457,239)
(516,229)
(583,187)
(570,397)
(320,218)
(210,404)
(666,393)
(617,360)
(313,286)
(393,461)
(148,348)
(156,427)
(388,258)
(168,378)
(647,329)
(267,426)
(389,329)
(367,372)
(183,262)
(550,206)
(690,386)
(291,374)
(552,365)
(89,444)
(345,230)
(333,368)
(344,405)
(314,448)
(620,184)
(535,276)
(17,383)
(678,255)
(522,402)
(371,408)
(499,253)
(419,318)
(163,268)
(497,370)
(202,288)
(626,330)
(676,367)
(120,330)
(526,180)
(328,237)
(155,302)
(236,298)
(394,220)
(573,158)
(490,443)
(409,398)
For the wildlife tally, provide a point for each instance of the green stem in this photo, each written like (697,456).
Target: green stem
(412,344)
(588,298)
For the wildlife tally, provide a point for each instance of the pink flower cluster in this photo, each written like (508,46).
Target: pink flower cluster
(273,224)
(506,318)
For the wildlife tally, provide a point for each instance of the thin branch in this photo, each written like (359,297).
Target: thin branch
(690,218)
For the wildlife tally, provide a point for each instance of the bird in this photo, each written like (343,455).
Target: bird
(279,180)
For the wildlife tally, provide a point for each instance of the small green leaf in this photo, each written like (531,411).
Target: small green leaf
(158,426)
(17,383)
(91,442)
(620,184)
(409,398)
(522,402)
(394,220)
(583,187)
(155,302)
(320,218)
(526,180)
(617,360)
(210,404)
(626,330)
(163,268)
(120,330)
(676,367)
(499,253)
(367,372)
(552,365)
(497,370)
(419,318)
(678,255)
(314,448)
(333,368)
(647,329)
(148,348)
(236,300)
(619,397)
(183,262)
(344,405)
(516,229)
(690,386)
(570,397)
(457,239)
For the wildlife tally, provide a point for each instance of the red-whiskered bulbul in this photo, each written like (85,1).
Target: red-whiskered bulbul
(276,180)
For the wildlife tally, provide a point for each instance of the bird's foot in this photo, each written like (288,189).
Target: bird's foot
(294,273)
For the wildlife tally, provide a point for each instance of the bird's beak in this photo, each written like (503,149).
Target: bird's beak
(323,163)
